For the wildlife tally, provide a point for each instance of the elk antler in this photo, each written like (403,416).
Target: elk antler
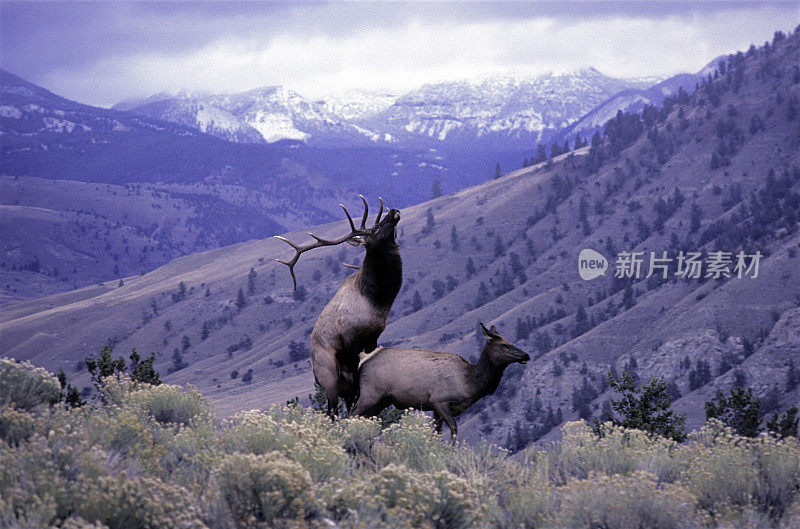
(380,212)
(319,241)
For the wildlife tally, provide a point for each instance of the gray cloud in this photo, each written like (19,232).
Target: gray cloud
(101,52)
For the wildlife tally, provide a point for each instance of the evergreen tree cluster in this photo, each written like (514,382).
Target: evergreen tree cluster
(105,365)
(741,411)
(645,407)
(582,398)
(773,206)
(537,422)
(700,375)
(664,209)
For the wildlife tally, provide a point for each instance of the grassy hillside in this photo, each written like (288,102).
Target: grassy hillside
(153,457)
(61,234)
(717,170)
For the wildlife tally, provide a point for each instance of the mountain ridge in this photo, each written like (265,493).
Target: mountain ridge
(421,117)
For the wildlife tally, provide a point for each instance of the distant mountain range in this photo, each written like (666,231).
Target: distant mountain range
(494,112)
(268,114)
(46,136)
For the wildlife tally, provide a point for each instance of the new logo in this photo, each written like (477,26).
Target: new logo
(591,264)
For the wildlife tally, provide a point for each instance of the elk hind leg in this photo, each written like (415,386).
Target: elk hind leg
(327,380)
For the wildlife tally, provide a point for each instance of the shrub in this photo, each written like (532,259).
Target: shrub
(412,441)
(125,433)
(25,387)
(528,506)
(15,425)
(622,502)
(729,473)
(455,503)
(264,490)
(358,434)
(170,405)
(136,503)
(778,465)
(292,467)
(397,493)
(301,435)
(582,452)
(39,477)
(721,473)
(76,522)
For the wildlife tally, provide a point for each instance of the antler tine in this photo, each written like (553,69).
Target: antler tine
(380,212)
(319,242)
(349,218)
(287,241)
(366,212)
(291,262)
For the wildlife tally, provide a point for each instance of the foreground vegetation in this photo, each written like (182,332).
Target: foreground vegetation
(153,456)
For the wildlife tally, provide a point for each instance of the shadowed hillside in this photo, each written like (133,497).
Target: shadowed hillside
(718,170)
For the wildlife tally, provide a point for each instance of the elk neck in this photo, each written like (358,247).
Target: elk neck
(487,372)
(381,274)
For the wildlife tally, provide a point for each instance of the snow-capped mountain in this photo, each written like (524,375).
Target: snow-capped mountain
(492,111)
(353,105)
(502,108)
(202,114)
(269,114)
(633,100)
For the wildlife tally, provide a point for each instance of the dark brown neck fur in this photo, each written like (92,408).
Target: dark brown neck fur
(487,373)
(381,274)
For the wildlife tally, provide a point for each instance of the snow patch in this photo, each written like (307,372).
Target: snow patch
(7,111)
(276,127)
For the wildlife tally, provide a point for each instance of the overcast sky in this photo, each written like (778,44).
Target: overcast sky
(102,52)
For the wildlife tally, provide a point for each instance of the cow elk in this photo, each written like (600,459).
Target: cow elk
(444,383)
(356,315)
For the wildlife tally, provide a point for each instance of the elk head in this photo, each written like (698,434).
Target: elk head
(381,233)
(501,350)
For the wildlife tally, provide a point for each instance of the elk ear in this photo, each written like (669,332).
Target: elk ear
(486,332)
(493,330)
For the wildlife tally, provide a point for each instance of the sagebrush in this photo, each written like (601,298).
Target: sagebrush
(154,457)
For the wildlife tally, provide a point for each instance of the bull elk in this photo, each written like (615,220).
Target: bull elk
(356,315)
(444,383)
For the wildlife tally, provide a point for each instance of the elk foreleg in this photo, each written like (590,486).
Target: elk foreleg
(443,409)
